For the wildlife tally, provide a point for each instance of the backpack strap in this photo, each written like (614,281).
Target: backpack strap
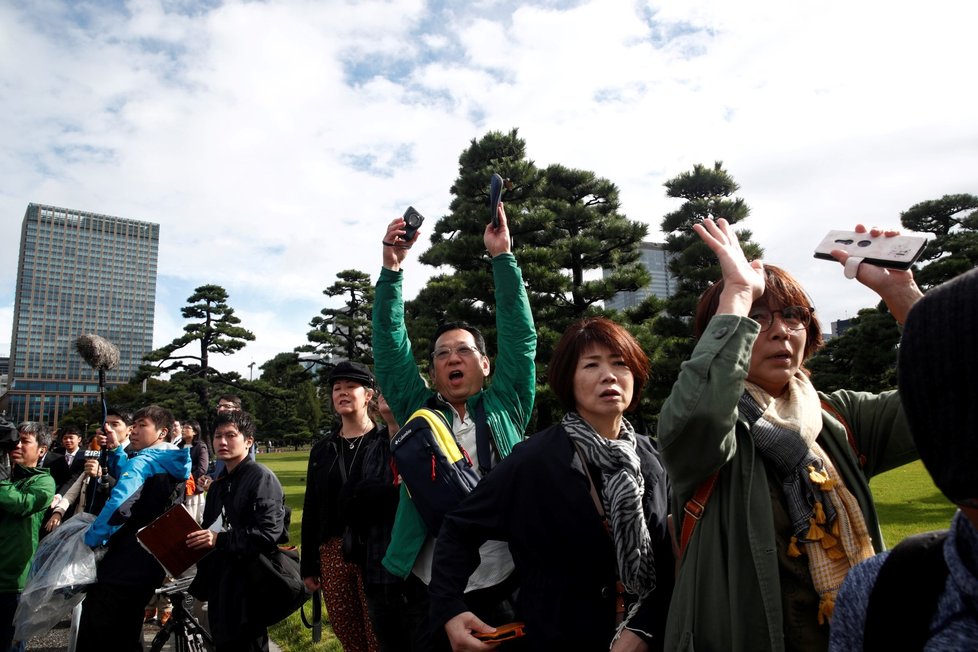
(845,424)
(483,433)
(694,509)
(905,595)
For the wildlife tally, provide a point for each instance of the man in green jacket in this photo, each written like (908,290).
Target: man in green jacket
(458,369)
(23,499)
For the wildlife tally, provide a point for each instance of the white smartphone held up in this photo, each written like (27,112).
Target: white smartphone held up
(895,252)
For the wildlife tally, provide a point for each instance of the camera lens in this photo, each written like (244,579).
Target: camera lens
(864,243)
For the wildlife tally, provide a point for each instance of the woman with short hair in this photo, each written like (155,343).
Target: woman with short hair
(583,506)
(788,508)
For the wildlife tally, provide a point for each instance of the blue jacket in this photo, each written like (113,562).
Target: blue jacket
(147,463)
(954,625)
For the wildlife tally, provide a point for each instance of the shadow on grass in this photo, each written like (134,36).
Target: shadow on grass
(926,511)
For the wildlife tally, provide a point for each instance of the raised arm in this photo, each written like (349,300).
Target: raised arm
(394,365)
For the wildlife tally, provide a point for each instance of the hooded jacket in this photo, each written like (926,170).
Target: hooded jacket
(148,485)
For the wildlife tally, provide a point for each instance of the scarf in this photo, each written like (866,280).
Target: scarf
(621,495)
(826,522)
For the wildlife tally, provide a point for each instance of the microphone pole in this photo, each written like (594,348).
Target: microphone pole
(101,355)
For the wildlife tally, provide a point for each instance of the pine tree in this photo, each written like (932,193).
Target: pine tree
(566,227)
(953,219)
(345,332)
(215,331)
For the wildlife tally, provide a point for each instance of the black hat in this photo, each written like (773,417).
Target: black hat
(938,372)
(354,371)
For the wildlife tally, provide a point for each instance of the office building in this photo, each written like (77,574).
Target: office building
(78,273)
(655,258)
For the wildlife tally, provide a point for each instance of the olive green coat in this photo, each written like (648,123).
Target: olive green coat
(728,594)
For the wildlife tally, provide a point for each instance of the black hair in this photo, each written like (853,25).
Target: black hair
(480,341)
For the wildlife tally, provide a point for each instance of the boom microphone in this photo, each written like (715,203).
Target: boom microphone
(101,355)
(98,352)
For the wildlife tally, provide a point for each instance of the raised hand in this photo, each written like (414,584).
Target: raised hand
(743,280)
(497,240)
(395,249)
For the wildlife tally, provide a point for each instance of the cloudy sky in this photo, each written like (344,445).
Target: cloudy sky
(274,140)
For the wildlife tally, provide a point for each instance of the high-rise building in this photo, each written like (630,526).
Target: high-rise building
(655,258)
(78,273)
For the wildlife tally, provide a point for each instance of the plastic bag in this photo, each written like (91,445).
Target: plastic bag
(62,567)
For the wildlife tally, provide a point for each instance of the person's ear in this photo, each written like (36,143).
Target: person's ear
(485,366)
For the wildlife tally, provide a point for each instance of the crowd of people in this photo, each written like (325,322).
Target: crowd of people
(746,523)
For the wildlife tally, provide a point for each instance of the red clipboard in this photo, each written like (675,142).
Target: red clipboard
(166,539)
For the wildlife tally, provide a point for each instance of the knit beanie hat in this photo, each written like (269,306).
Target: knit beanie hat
(938,372)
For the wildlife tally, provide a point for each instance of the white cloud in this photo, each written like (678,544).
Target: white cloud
(273,141)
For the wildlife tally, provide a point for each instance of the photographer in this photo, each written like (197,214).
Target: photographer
(23,499)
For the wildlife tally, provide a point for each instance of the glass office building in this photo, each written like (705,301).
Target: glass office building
(655,258)
(78,273)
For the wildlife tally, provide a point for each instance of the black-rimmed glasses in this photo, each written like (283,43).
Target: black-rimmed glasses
(795,318)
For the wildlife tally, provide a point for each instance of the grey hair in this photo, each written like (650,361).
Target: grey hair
(42,433)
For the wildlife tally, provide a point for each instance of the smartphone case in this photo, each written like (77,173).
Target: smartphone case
(495,194)
(896,252)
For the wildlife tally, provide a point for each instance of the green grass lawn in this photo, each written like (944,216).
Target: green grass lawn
(290,634)
(907,501)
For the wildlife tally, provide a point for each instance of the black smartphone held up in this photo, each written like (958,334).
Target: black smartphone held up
(413,221)
(495,194)
(895,252)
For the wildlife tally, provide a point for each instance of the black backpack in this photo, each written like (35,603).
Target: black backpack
(904,598)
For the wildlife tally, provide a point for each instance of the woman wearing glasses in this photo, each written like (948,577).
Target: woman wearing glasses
(787,507)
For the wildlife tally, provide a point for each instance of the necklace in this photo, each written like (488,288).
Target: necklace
(355,441)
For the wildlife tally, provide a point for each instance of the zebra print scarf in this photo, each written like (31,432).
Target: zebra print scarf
(621,494)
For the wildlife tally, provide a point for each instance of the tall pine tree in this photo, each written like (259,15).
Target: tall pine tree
(215,330)
(566,228)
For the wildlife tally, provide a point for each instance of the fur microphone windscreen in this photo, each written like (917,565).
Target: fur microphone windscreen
(97,351)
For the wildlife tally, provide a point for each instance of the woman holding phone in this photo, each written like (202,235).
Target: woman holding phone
(782,470)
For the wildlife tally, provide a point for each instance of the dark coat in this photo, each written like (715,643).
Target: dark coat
(65,474)
(325,504)
(253,506)
(565,560)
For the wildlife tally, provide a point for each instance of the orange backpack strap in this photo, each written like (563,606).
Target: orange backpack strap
(845,424)
(694,509)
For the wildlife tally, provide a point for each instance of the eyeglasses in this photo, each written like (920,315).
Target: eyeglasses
(794,318)
(463,351)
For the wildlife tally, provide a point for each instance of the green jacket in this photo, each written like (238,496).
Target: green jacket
(728,593)
(23,500)
(508,401)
